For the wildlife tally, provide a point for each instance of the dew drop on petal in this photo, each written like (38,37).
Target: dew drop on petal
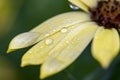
(67,42)
(48,41)
(47,35)
(30,52)
(54,30)
(64,30)
(74,7)
(41,46)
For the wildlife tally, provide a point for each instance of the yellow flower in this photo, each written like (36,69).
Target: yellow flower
(61,39)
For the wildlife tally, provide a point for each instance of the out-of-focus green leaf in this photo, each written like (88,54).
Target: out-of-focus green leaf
(8,12)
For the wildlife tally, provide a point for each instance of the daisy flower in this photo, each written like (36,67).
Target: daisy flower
(60,40)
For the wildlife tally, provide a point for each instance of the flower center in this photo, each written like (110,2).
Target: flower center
(107,13)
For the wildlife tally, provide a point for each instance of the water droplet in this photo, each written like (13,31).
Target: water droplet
(74,7)
(54,30)
(48,41)
(67,42)
(47,35)
(30,52)
(41,46)
(64,30)
(78,39)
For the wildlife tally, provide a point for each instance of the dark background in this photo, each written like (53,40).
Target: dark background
(18,16)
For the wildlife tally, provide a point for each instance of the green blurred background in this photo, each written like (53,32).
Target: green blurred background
(18,16)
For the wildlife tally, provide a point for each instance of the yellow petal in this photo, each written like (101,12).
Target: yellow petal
(80,4)
(47,28)
(33,56)
(38,53)
(68,49)
(58,22)
(105,46)
(23,40)
(90,3)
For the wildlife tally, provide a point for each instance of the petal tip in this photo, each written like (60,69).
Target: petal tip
(43,75)
(9,50)
(24,63)
(105,65)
